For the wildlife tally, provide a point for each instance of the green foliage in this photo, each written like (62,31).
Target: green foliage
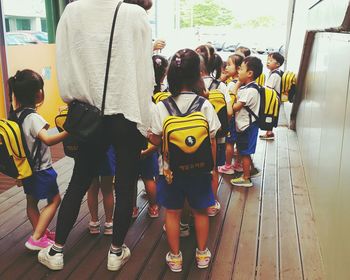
(207,13)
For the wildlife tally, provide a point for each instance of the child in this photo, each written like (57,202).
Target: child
(28,89)
(211,72)
(246,126)
(103,181)
(233,63)
(183,78)
(274,61)
(243,51)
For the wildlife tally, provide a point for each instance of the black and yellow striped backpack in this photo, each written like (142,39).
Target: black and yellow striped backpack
(159,96)
(288,86)
(186,144)
(15,158)
(261,80)
(217,99)
(268,109)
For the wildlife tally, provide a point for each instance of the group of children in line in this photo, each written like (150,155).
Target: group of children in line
(188,74)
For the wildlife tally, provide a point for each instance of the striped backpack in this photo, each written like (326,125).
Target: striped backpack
(268,109)
(261,80)
(15,158)
(288,86)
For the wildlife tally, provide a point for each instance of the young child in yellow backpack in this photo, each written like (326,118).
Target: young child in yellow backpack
(233,63)
(211,71)
(195,184)
(274,62)
(27,87)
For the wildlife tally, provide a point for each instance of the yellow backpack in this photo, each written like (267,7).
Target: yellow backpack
(186,140)
(217,99)
(261,80)
(159,96)
(288,86)
(15,158)
(268,109)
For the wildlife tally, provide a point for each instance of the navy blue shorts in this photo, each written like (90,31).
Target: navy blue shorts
(42,184)
(196,188)
(232,134)
(149,166)
(246,140)
(108,163)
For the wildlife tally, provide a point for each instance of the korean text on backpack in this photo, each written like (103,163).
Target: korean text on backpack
(268,109)
(15,159)
(186,140)
(217,99)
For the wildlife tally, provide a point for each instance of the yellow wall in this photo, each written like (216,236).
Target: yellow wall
(2,97)
(40,58)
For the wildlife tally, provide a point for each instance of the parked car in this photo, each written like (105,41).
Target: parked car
(25,38)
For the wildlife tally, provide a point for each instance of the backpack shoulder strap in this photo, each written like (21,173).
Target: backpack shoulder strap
(196,105)
(171,106)
(37,144)
(258,88)
(214,84)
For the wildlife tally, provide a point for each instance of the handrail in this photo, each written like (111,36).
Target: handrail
(304,62)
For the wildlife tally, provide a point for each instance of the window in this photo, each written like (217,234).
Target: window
(23,24)
(43,25)
(7,24)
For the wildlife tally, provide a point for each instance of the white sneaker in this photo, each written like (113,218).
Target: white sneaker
(52,262)
(115,262)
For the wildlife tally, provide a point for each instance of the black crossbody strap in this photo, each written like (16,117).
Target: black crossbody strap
(109,58)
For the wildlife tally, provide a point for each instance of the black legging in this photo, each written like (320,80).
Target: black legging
(127,142)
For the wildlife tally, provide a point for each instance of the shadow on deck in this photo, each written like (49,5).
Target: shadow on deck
(265,232)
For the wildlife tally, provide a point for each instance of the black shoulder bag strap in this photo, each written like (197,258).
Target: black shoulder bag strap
(109,57)
(32,158)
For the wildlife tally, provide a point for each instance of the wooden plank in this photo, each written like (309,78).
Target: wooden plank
(267,262)
(245,260)
(309,245)
(290,262)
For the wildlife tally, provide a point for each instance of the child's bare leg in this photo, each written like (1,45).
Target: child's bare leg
(92,199)
(151,190)
(108,197)
(246,162)
(172,224)
(229,153)
(46,216)
(32,211)
(201,223)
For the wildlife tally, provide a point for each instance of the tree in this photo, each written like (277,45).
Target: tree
(208,13)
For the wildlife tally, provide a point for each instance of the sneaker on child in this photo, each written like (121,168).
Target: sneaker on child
(184,229)
(237,166)
(267,136)
(203,258)
(36,245)
(94,227)
(153,211)
(108,229)
(115,262)
(226,169)
(174,261)
(254,172)
(50,234)
(135,212)
(214,210)
(54,262)
(241,182)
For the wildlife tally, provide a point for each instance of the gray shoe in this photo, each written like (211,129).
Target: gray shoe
(255,172)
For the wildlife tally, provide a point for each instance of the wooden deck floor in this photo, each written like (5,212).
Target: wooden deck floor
(265,232)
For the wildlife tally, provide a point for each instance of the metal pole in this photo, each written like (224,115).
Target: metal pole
(3,61)
(51,28)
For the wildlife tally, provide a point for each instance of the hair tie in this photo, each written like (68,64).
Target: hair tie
(158,61)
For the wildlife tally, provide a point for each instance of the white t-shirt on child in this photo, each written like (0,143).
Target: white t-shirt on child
(274,81)
(250,96)
(31,126)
